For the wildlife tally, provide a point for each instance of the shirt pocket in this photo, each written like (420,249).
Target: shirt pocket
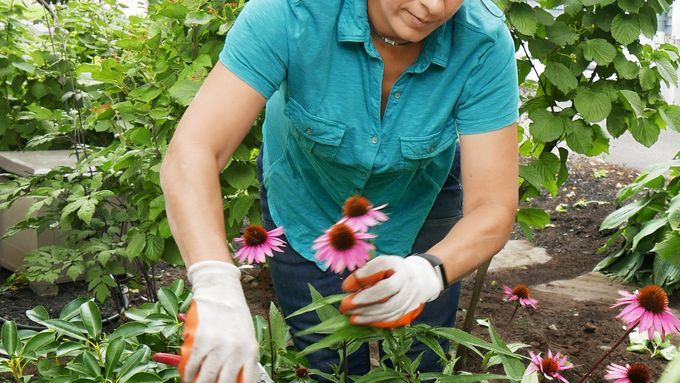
(316,135)
(418,151)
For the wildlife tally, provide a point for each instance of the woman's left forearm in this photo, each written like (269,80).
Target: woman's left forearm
(476,238)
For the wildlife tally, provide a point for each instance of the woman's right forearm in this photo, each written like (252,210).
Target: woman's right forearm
(193,200)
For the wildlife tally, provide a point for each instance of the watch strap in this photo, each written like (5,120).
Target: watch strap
(437,265)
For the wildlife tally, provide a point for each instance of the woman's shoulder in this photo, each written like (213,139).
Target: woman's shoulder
(482,17)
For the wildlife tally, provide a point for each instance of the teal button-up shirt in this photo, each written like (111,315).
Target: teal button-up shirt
(324,138)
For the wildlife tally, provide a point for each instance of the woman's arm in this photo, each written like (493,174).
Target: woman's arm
(209,132)
(489,167)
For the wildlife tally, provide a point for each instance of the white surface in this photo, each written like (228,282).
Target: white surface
(518,254)
(35,162)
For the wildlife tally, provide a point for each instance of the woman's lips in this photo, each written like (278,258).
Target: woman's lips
(417,21)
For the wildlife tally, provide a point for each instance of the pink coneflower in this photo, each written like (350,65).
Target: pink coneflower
(520,293)
(257,242)
(549,366)
(360,214)
(343,247)
(648,309)
(631,373)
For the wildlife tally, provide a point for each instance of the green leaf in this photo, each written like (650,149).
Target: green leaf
(630,5)
(672,372)
(626,69)
(593,106)
(38,341)
(38,314)
(513,366)
(668,248)
(648,24)
(92,319)
(626,28)
(580,137)
(91,363)
(674,213)
(317,304)
(72,309)
(671,115)
(469,340)
(598,50)
(324,312)
(240,175)
(66,328)
(666,71)
(560,76)
(279,331)
(328,326)
(621,216)
(114,351)
(171,253)
(346,333)
(198,18)
(648,78)
(633,100)
(24,66)
(464,378)
(547,127)
(522,17)
(133,364)
(644,131)
(169,301)
(136,245)
(561,34)
(129,330)
(10,338)
(155,244)
(648,228)
(533,217)
(86,210)
(183,91)
(156,207)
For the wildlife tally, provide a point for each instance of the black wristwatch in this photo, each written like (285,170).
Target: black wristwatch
(437,265)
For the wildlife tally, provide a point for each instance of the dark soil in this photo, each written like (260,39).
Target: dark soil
(583,331)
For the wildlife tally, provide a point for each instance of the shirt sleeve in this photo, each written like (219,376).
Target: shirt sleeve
(490,96)
(256,46)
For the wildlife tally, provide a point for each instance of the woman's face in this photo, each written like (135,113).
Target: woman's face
(410,20)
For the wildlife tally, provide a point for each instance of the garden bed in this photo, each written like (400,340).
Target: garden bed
(582,330)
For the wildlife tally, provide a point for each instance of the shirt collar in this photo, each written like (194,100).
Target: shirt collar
(353,27)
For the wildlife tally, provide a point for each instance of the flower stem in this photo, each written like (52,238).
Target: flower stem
(271,344)
(606,354)
(507,326)
(344,360)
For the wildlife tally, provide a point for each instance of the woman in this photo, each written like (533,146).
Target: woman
(364,97)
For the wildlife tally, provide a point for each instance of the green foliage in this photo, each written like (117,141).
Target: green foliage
(596,69)
(644,248)
(129,80)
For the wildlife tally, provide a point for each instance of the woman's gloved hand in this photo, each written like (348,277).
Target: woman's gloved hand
(390,291)
(219,336)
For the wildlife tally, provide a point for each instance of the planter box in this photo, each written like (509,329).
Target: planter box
(13,250)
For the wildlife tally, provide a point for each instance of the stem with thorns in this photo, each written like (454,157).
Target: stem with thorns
(606,354)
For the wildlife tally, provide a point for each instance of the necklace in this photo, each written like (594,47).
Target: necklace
(388,40)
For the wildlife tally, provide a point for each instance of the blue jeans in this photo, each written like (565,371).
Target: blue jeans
(291,274)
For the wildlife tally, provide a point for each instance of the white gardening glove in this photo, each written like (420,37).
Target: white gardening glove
(390,291)
(219,336)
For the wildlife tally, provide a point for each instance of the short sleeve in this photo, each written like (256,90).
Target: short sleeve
(490,97)
(256,46)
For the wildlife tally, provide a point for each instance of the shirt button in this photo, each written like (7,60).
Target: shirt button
(357,190)
(374,140)
(397,95)
(363,173)
(431,149)
(309,131)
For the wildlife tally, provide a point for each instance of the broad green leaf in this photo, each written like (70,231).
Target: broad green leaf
(630,5)
(598,50)
(69,349)
(522,16)
(183,91)
(560,76)
(543,17)
(240,175)
(133,364)
(533,217)
(648,228)
(513,366)
(38,314)
(72,309)
(547,127)
(145,377)
(92,319)
(561,33)
(626,28)
(668,248)
(25,66)
(648,78)
(580,137)
(169,301)
(671,115)
(530,378)
(328,326)
(324,312)
(66,328)
(114,351)
(666,71)
(346,333)
(129,330)
(672,371)
(621,215)
(198,18)
(593,106)
(171,253)
(91,363)
(634,101)
(645,131)
(135,245)
(469,340)
(154,247)
(39,341)
(86,210)
(648,23)
(279,331)
(674,213)
(464,378)
(626,69)
(10,338)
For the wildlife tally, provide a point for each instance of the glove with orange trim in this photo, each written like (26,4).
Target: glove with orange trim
(390,291)
(219,336)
